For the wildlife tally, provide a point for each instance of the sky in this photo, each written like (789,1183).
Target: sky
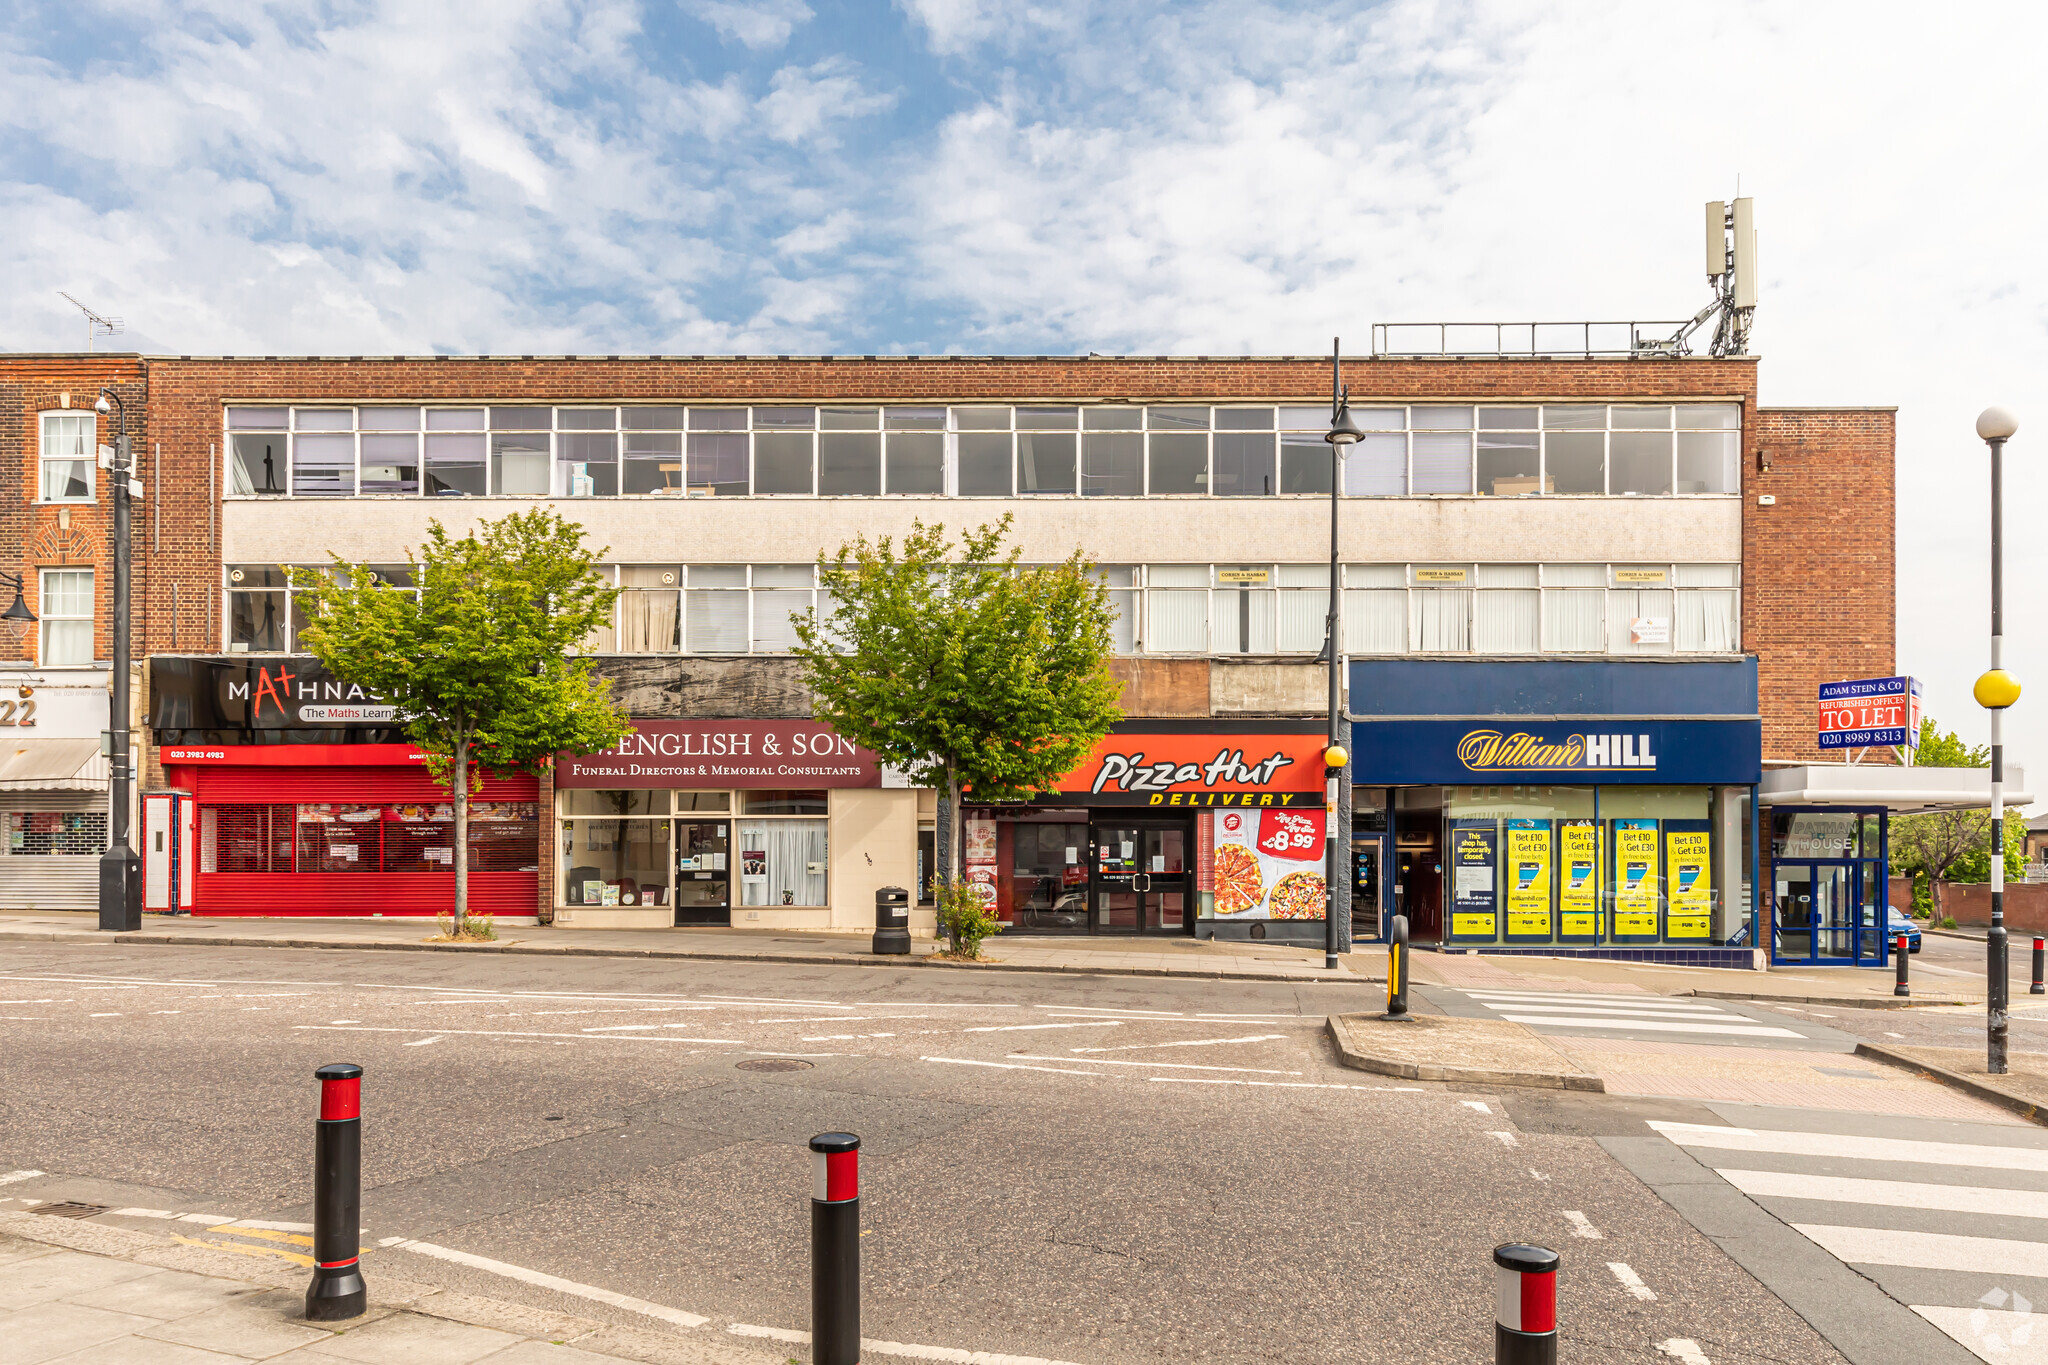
(1059,177)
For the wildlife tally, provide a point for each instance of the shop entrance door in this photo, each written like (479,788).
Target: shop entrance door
(1815,909)
(1141,877)
(703,872)
(1368,885)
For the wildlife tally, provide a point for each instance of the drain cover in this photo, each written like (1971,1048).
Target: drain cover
(773,1064)
(68,1210)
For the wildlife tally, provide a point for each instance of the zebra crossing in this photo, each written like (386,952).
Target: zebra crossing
(1953,1226)
(1675,1018)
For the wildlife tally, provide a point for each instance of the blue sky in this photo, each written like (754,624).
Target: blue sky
(684,176)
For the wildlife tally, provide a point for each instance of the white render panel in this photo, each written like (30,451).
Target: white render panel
(1113,530)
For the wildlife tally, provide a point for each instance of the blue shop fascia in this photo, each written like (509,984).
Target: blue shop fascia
(1599,808)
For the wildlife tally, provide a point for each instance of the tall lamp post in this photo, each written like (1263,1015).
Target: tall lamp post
(120,871)
(1995,691)
(1343,434)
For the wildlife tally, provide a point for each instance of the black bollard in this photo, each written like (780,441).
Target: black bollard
(2040,961)
(1902,951)
(1397,968)
(1524,1305)
(835,1249)
(337,1290)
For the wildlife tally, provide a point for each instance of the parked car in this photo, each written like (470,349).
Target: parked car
(1896,924)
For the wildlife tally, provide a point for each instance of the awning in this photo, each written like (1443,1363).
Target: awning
(1903,791)
(43,765)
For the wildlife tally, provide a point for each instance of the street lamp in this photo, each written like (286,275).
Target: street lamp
(1995,691)
(120,871)
(19,611)
(1343,434)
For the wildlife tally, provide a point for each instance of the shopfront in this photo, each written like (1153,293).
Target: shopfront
(1207,828)
(309,802)
(53,789)
(763,823)
(1572,808)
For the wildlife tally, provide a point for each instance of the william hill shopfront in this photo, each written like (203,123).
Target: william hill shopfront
(1594,808)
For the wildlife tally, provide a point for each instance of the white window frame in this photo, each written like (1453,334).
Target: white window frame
(90,455)
(51,617)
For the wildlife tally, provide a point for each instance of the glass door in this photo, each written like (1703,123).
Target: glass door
(1816,910)
(1141,878)
(703,872)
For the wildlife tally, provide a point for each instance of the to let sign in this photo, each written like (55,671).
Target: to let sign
(1863,712)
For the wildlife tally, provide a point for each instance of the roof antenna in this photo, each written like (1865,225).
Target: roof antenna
(95,324)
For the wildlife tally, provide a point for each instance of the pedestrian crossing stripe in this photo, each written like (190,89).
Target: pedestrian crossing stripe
(1596,1001)
(1897,1194)
(1929,1250)
(1949,1154)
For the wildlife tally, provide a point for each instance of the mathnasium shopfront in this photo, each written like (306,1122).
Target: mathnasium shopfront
(1557,807)
(1210,829)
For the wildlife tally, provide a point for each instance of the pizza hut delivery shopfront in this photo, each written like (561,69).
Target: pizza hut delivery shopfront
(1193,828)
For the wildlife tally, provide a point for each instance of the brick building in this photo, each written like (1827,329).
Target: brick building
(1584,535)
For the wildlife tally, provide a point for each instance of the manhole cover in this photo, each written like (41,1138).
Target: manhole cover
(68,1210)
(773,1064)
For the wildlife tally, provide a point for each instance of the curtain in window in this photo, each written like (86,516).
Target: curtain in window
(1180,621)
(1241,621)
(1375,621)
(1123,632)
(1572,620)
(647,622)
(1625,608)
(773,633)
(1507,622)
(1443,462)
(775,859)
(1443,621)
(1303,612)
(1706,621)
(1378,466)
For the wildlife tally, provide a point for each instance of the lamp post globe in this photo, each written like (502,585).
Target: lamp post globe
(1997,424)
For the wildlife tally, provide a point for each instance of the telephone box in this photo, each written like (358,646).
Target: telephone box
(167,851)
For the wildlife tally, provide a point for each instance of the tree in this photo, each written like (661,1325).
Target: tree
(959,666)
(480,662)
(1952,845)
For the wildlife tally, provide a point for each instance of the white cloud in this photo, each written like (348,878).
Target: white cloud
(804,99)
(759,24)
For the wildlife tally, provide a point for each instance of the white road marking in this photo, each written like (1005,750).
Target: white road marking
(756,1000)
(620,1028)
(1173,1066)
(842,1019)
(167,1011)
(1601,1000)
(423,1042)
(1089,1009)
(950,1354)
(1631,1281)
(1196,1042)
(1477,1106)
(1603,1011)
(513,1033)
(1890,1034)
(1854,1148)
(1929,1250)
(1686,1350)
(1281,1085)
(46,1000)
(1582,1226)
(2003,1335)
(1505,1139)
(545,1281)
(1026,1028)
(344,1021)
(10,1177)
(1891,1193)
(103,1016)
(1010,1066)
(1659,1026)
(1535,1174)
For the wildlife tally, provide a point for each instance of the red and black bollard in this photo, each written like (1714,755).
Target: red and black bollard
(337,1290)
(2040,961)
(1397,968)
(1902,951)
(1525,1305)
(835,1249)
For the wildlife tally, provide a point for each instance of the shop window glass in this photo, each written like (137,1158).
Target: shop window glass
(782,461)
(1045,461)
(455,465)
(1377,467)
(718,464)
(917,462)
(340,838)
(1304,464)
(69,462)
(587,462)
(256,463)
(1113,465)
(1179,463)
(1575,462)
(1510,464)
(1640,462)
(1442,461)
(615,862)
(1708,462)
(782,862)
(850,462)
(1242,462)
(649,609)
(391,463)
(985,464)
(50,833)
(654,462)
(612,801)
(247,838)
(703,801)
(1441,621)
(323,466)
(1044,885)
(781,802)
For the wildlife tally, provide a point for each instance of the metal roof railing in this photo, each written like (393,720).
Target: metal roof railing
(1531,340)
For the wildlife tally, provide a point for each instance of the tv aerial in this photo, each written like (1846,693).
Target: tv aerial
(96,324)
(1731,273)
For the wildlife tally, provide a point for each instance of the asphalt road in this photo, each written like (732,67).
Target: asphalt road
(1084,1169)
(1943,964)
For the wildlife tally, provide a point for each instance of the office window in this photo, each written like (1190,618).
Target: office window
(1575,462)
(916,463)
(391,462)
(521,457)
(1511,463)
(66,607)
(1045,460)
(653,462)
(1179,460)
(1177,609)
(1507,609)
(985,464)
(1377,466)
(324,465)
(1113,463)
(783,460)
(650,600)
(718,463)
(258,614)
(455,465)
(716,611)
(1304,463)
(258,463)
(1442,461)
(849,462)
(1639,461)
(1709,462)
(1304,605)
(69,458)
(1243,610)
(781,591)
(1121,580)
(586,453)
(1242,462)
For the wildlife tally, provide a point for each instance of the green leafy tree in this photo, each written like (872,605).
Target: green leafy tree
(1952,845)
(481,662)
(959,666)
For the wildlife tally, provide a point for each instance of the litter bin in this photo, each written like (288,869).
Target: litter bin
(892,920)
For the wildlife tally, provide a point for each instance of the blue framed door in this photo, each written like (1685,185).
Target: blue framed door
(1819,914)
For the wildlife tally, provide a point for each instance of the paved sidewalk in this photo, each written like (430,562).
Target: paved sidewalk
(1847,987)
(87,1292)
(1155,955)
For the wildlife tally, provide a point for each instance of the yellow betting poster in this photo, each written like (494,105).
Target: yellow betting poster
(1528,879)
(1635,879)
(1578,856)
(1692,884)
